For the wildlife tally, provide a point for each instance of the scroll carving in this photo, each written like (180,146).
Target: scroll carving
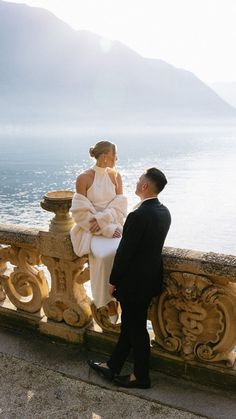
(3,268)
(25,284)
(101,317)
(67,299)
(193,318)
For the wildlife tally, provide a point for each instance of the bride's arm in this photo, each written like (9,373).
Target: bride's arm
(82,184)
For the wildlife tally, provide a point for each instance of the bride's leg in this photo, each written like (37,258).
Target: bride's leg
(101,260)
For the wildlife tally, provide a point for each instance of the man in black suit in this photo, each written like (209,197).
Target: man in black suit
(136,278)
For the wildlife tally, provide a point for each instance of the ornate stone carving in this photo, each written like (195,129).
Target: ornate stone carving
(101,317)
(25,284)
(3,268)
(193,318)
(67,299)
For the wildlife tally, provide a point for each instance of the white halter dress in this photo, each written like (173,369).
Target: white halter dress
(103,249)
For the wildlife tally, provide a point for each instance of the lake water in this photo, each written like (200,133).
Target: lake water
(200,164)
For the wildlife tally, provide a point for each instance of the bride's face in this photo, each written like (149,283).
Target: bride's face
(110,158)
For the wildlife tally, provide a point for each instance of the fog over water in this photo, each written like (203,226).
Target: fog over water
(199,163)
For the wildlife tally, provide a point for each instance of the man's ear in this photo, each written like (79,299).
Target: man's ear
(145,186)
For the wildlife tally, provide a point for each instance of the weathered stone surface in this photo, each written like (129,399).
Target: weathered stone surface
(38,392)
(3,268)
(214,265)
(55,245)
(18,235)
(17,319)
(62,331)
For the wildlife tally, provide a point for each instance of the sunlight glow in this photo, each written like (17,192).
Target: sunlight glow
(197,35)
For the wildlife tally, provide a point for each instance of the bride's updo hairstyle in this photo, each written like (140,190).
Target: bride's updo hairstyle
(102,147)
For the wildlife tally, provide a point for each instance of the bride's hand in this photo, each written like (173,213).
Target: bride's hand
(94,226)
(117,233)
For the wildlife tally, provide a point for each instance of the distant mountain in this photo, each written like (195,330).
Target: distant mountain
(50,71)
(226,91)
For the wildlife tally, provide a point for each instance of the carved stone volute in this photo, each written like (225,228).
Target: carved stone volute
(24,284)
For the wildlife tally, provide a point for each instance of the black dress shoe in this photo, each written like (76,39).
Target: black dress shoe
(124,381)
(104,372)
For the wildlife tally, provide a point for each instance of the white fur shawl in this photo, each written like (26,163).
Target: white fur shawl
(108,220)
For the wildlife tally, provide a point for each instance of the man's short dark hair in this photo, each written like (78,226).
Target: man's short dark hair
(157,178)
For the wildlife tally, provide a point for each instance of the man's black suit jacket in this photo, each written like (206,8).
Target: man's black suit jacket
(137,268)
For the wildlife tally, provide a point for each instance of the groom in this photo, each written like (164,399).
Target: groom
(136,278)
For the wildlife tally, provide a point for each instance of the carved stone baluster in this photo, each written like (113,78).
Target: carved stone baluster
(3,268)
(67,299)
(25,285)
(193,318)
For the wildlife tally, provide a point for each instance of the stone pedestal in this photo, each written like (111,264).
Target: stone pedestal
(59,202)
(67,299)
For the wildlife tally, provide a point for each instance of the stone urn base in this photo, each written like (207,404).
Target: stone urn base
(59,202)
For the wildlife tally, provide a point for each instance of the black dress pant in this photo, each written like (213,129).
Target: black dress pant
(134,336)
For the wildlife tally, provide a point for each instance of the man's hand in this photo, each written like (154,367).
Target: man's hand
(94,226)
(111,289)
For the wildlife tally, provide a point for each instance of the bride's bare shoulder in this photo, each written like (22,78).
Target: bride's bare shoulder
(87,174)
(84,181)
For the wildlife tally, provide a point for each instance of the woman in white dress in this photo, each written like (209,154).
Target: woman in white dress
(99,209)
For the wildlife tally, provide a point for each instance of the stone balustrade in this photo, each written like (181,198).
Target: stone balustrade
(193,320)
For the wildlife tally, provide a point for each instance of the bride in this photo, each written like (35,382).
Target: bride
(99,208)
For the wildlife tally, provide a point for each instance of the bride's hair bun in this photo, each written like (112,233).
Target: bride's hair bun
(100,148)
(91,152)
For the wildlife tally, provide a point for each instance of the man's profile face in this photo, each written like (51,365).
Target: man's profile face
(139,185)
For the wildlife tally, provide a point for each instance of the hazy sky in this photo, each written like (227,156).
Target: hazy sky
(197,35)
